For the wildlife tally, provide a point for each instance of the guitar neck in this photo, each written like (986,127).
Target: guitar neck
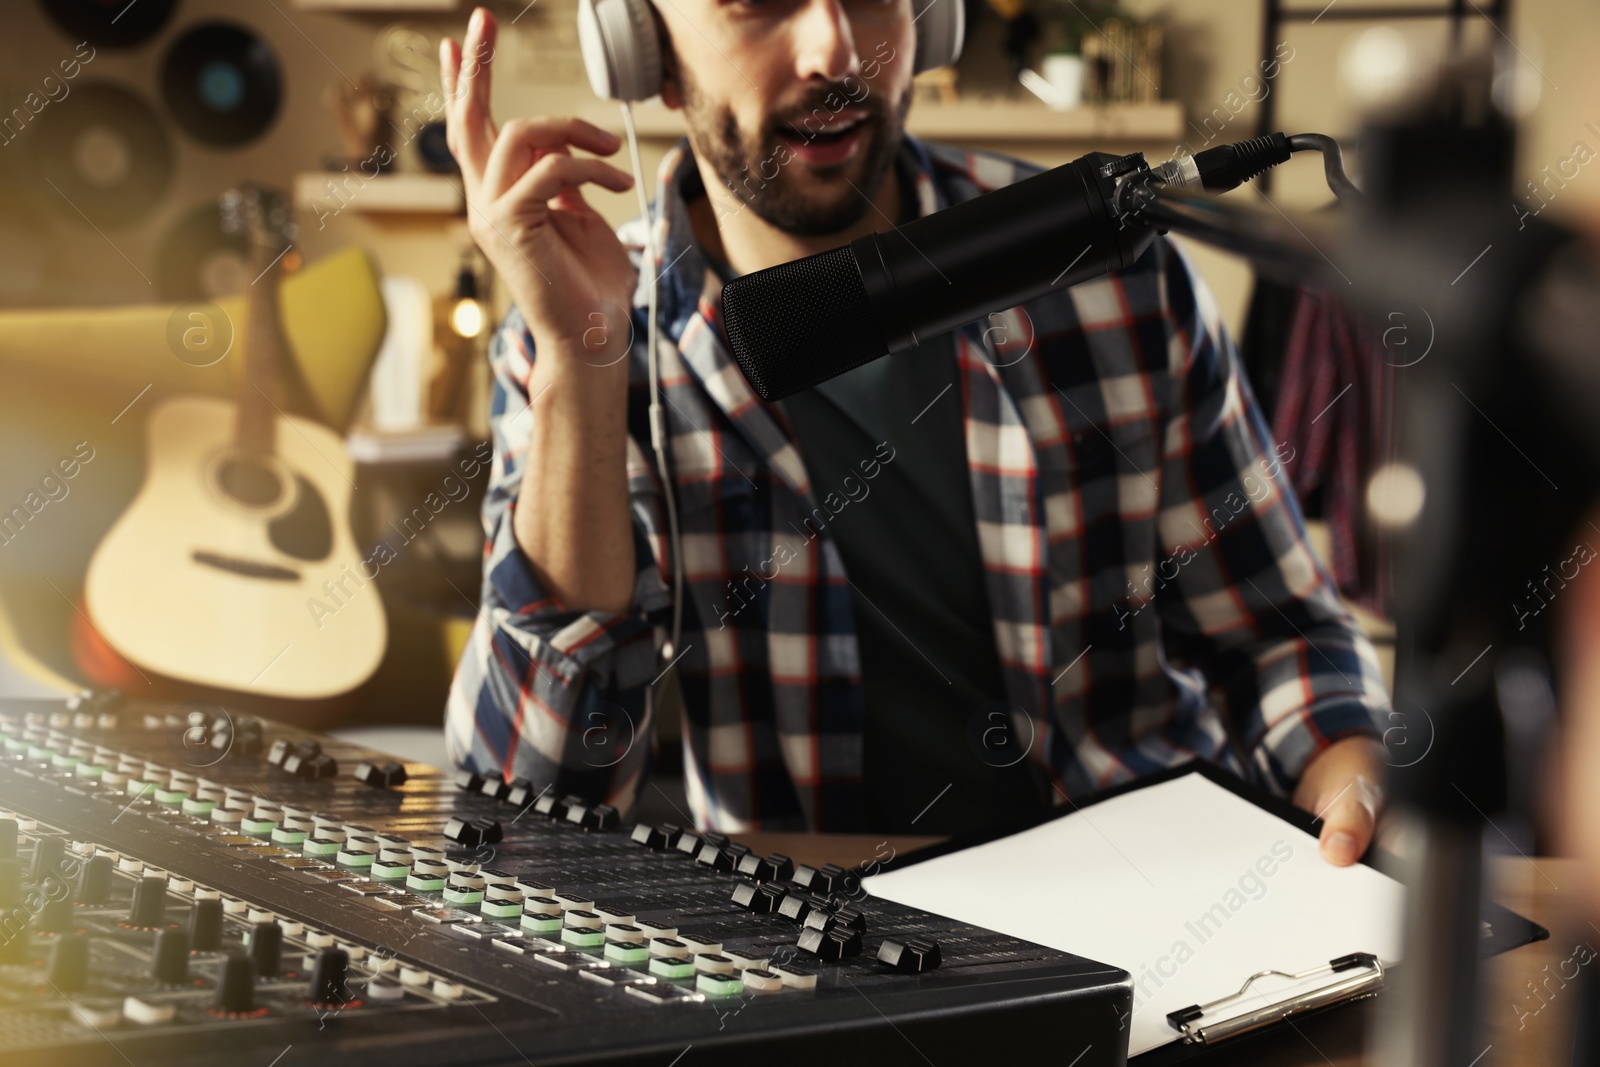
(257,423)
(258,410)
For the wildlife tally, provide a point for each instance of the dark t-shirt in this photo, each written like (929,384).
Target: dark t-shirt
(940,754)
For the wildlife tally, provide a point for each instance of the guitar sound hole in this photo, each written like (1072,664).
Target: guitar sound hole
(250,482)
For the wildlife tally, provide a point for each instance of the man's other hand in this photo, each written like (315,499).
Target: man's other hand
(1341,786)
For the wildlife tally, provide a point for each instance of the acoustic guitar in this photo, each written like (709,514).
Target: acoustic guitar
(223,569)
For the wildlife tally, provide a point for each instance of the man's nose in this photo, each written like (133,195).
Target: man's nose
(823,43)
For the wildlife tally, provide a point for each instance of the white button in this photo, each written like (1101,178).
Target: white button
(762,981)
(447,990)
(148,1012)
(97,1016)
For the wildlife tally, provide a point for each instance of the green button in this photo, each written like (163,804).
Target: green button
(288,837)
(198,807)
(390,871)
(424,884)
(171,797)
(258,827)
(626,951)
(580,938)
(355,859)
(90,770)
(541,924)
(463,896)
(15,744)
(314,847)
(672,967)
(719,985)
(61,759)
(39,752)
(501,909)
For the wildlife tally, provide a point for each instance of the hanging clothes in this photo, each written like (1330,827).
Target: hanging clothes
(1335,406)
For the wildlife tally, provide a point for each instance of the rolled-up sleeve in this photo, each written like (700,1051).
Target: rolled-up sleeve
(1250,604)
(543,692)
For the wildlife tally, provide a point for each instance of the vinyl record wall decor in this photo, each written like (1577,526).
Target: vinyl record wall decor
(110,23)
(107,154)
(222,84)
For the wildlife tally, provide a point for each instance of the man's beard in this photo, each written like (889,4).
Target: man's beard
(787,199)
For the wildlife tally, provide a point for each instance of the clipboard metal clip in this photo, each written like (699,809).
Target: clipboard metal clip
(1366,980)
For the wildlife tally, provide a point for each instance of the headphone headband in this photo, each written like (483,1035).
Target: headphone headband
(622,48)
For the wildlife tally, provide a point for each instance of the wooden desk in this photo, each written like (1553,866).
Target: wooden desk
(1544,890)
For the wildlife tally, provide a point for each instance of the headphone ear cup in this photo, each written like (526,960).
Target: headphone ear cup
(621,48)
(941,29)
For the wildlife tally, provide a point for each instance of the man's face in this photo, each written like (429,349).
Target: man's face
(798,105)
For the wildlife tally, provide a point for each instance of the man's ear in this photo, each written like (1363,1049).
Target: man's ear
(671,87)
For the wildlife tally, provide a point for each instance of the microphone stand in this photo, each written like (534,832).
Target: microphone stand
(1473,504)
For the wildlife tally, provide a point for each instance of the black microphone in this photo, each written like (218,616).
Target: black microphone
(808,320)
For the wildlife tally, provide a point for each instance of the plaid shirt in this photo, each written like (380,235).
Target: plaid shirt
(1154,596)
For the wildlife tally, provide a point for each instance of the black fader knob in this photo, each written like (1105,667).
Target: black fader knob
(266,948)
(912,956)
(329,973)
(205,925)
(94,880)
(236,990)
(149,908)
(169,959)
(69,963)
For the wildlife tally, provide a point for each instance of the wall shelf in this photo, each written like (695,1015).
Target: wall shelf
(423,194)
(383,6)
(977,120)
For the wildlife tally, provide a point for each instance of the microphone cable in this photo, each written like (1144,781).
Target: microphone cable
(659,444)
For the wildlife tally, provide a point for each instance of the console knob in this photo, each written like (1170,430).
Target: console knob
(328,975)
(94,881)
(10,883)
(205,925)
(69,963)
(56,916)
(169,961)
(266,948)
(47,853)
(149,908)
(14,948)
(236,991)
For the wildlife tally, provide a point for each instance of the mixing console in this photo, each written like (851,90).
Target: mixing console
(189,885)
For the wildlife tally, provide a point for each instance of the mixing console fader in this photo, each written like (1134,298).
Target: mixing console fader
(186,885)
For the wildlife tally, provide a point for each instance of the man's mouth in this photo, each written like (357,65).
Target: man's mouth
(826,143)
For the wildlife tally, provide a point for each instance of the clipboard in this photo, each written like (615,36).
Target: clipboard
(1238,1008)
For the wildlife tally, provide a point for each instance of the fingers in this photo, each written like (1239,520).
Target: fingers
(464,71)
(524,141)
(556,172)
(1349,821)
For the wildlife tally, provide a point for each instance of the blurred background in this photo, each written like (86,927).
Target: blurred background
(141,308)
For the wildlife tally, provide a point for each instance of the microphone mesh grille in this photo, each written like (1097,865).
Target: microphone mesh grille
(800,323)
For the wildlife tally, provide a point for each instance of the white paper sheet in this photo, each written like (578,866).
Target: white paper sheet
(1185,885)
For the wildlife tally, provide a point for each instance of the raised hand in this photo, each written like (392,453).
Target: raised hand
(560,259)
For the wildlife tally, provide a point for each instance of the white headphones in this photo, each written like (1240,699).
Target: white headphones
(622,51)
